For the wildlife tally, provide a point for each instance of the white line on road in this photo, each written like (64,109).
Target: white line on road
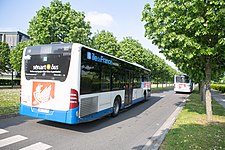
(37,146)
(11,140)
(3,131)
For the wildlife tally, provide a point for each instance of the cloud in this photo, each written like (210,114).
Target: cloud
(99,19)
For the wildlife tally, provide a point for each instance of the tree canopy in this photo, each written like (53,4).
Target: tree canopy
(16,55)
(188,31)
(4,57)
(131,50)
(191,34)
(105,41)
(59,23)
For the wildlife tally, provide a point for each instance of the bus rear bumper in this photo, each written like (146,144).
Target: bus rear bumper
(68,117)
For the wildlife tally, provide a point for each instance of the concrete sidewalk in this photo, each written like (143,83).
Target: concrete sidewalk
(219,97)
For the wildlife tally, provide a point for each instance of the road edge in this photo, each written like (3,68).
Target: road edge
(157,139)
(5,116)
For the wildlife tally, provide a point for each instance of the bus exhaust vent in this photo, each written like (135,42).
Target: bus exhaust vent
(88,106)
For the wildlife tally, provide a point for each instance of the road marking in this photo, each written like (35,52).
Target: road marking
(11,140)
(3,131)
(37,146)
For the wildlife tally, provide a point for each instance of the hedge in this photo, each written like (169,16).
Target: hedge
(6,82)
(219,87)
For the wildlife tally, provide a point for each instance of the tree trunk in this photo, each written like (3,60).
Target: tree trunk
(12,83)
(202,91)
(157,83)
(208,100)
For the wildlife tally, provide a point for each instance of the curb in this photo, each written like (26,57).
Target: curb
(157,139)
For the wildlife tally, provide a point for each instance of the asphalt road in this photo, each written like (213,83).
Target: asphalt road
(132,129)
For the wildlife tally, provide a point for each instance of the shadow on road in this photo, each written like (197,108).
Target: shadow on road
(14,121)
(106,121)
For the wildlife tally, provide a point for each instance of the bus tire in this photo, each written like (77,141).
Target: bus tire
(145,95)
(116,107)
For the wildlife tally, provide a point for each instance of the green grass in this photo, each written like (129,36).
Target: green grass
(9,101)
(192,131)
(161,88)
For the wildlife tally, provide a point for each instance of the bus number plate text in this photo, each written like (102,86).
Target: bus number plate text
(43,110)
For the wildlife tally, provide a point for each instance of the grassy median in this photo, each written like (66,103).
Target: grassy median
(191,130)
(9,101)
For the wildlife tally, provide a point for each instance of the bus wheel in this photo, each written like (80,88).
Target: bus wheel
(145,95)
(116,107)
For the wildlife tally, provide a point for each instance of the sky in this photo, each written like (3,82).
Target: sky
(120,17)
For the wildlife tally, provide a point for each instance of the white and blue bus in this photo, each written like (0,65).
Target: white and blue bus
(72,83)
(182,83)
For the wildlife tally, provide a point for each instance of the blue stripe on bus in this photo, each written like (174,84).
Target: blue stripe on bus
(68,117)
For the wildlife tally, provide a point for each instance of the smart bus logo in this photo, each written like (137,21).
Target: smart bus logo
(42,92)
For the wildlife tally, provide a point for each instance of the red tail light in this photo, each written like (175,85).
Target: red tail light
(73,98)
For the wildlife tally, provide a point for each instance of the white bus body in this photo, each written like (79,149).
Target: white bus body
(182,83)
(71,83)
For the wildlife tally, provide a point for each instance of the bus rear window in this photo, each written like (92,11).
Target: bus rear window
(47,62)
(182,79)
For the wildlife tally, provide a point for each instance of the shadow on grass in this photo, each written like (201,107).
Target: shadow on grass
(195,136)
(194,104)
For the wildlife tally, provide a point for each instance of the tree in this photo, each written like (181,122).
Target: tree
(16,55)
(191,34)
(105,41)
(4,57)
(131,50)
(59,23)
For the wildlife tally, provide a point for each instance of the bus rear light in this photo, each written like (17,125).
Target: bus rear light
(73,98)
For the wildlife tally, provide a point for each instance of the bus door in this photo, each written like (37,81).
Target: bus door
(128,88)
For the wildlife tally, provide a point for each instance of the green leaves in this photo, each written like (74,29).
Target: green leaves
(4,57)
(105,41)
(131,50)
(59,23)
(16,55)
(187,32)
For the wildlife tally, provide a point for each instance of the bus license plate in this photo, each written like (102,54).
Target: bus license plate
(43,110)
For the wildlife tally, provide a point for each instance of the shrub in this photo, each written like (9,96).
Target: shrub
(219,87)
(5,82)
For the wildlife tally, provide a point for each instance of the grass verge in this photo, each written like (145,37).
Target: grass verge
(161,88)
(191,130)
(9,101)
